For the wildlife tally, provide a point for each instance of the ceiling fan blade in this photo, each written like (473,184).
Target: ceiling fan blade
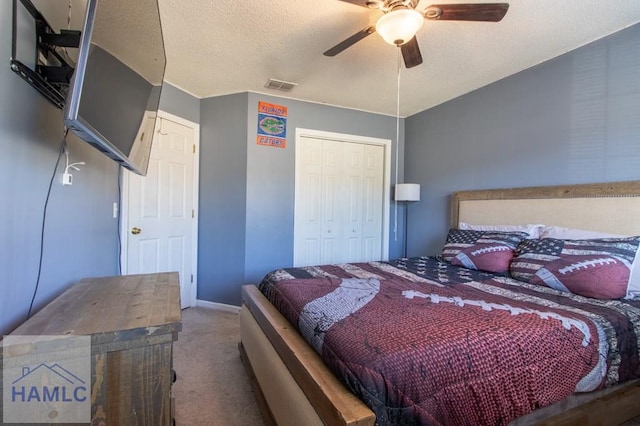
(363,3)
(350,41)
(411,53)
(488,12)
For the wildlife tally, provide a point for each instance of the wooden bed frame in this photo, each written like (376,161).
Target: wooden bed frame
(294,387)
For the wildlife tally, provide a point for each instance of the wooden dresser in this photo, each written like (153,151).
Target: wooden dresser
(133,321)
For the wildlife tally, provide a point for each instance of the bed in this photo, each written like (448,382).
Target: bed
(295,386)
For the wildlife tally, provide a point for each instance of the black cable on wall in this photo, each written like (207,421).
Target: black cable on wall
(44,219)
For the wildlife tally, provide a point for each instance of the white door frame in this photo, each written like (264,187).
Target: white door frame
(124,204)
(344,137)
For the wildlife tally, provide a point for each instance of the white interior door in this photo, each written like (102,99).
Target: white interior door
(160,222)
(339,201)
(332,248)
(372,203)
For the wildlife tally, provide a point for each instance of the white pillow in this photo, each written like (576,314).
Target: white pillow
(561,233)
(532,230)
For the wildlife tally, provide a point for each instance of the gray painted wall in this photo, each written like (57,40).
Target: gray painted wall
(270,177)
(574,119)
(176,102)
(247,190)
(81,236)
(80,233)
(223,195)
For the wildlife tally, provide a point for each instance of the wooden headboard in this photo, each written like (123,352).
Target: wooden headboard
(606,207)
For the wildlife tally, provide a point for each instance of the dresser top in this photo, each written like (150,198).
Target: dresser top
(149,303)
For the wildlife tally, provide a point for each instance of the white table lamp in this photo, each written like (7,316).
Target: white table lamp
(407,193)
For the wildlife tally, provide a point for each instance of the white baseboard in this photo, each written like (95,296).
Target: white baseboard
(218,306)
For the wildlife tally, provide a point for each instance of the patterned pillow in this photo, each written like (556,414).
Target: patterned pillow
(598,268)
(489,251)
(531,229)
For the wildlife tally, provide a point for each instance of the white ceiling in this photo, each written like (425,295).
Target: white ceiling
(217,47)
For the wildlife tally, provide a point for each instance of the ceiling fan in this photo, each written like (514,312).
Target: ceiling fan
(401,21)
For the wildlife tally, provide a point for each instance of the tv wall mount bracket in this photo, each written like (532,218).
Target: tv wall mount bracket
(53,72)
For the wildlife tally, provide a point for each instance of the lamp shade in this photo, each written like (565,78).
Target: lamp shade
(407,192)
(399,26)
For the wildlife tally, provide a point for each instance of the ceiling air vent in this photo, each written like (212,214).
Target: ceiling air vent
(284,86)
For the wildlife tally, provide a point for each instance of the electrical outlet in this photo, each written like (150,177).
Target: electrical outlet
(115,210)
(67,178)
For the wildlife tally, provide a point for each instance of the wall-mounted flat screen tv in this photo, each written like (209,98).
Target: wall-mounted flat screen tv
(114,94)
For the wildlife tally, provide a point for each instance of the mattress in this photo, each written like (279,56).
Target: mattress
(421,341)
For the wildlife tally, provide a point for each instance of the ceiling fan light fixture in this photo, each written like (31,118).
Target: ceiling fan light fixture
(399,26)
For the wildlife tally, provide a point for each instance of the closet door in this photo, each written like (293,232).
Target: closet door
(307,215)
(373,202)
(339,201)
(332,248)
(352,199)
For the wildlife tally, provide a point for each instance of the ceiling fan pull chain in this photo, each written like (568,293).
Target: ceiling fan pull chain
(395,226)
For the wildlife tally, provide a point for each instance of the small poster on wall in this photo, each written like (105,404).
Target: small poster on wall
(272,125)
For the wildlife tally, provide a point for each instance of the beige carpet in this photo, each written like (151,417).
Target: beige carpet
(212,387)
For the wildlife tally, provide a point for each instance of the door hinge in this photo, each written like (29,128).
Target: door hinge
(193,213)
(192,278)
(194,148)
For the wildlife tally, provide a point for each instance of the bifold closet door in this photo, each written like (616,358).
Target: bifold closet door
(339,189)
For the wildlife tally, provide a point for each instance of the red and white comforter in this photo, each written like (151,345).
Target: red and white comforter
(421,341)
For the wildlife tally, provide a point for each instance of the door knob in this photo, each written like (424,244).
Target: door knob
(135,230)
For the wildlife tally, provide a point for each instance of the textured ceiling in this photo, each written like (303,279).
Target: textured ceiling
(228,46)
(217,47)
